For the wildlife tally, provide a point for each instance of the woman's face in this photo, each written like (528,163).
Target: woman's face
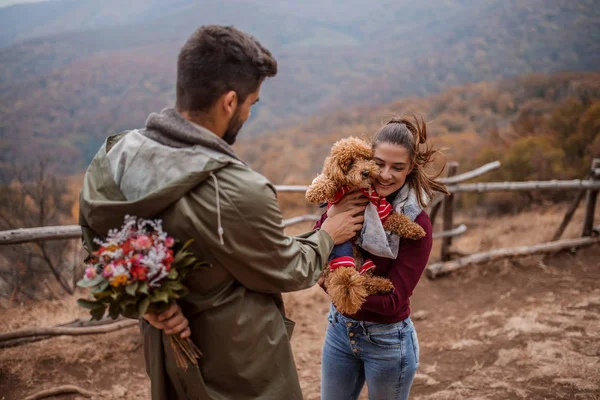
(394,166)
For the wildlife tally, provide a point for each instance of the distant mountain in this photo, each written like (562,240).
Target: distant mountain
(74,71)
(547,126)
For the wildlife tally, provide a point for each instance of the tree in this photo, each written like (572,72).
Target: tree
(31,197)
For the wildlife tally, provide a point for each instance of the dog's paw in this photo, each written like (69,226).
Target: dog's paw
(402,226)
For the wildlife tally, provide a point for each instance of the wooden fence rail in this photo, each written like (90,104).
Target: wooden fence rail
(25,235)
(437,269)
(525,186)
(589,186)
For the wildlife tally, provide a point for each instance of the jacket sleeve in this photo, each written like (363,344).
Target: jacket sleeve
(256,251)
(404,273)
(87,236)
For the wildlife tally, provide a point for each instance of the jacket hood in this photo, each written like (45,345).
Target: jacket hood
(142,172)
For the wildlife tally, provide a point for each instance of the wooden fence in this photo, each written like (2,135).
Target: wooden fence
(25,235)
(587,188)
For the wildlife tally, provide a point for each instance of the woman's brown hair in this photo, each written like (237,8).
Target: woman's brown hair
(412,135)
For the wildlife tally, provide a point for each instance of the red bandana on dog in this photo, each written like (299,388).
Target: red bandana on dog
(384,208)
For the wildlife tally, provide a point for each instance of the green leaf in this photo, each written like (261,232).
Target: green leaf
(101,295)
(89,304)
(177,286)
(130,311)
(98,313)
(179,256)
(143,306)
(186,245)
(159,296)
(101,287)
(85,283)
(143,288)
(128,301)
(184,292)
(113,310)
(116,295)
(173,274)
(188,261)
(131,289)
(203,264)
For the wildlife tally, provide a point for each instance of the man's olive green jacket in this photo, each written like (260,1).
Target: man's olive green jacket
(192,180)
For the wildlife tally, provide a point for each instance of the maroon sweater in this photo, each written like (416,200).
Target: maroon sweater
(404,272)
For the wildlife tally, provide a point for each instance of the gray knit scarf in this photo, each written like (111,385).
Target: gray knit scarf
(373,238)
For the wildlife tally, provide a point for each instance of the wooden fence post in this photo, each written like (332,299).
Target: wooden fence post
(590,203)
(448,207)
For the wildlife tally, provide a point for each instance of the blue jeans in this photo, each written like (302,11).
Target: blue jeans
(385,355)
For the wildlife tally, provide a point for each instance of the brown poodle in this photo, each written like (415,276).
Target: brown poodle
(348,167)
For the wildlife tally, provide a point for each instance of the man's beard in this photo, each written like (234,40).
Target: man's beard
(233,128)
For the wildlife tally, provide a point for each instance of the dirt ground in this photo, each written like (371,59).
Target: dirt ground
(524,329)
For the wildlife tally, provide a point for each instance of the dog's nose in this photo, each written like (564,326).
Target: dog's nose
(365,173)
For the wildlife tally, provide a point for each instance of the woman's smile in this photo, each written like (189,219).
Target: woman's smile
(394,166)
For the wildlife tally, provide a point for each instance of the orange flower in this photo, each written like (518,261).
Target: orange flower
(119,280)
(112,247)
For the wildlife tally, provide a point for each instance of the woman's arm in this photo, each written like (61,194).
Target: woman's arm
(404,273)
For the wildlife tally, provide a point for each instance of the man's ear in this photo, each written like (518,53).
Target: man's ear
(230,102)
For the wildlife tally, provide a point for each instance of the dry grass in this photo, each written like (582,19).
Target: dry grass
(527,329)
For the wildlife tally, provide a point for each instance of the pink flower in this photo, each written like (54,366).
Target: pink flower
(143,242)
(90,273)
(169,242)
(108,271)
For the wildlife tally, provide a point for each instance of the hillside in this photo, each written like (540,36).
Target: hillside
(557,115)
(74,72)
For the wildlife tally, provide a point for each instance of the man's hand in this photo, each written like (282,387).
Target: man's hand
(350,201)
(171,321)
(321,281)
(343,226)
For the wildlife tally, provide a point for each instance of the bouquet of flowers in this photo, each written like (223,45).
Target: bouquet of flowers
(139,269)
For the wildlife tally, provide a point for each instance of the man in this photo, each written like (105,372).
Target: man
(180,168)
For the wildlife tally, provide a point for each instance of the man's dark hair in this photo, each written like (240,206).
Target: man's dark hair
(217,59)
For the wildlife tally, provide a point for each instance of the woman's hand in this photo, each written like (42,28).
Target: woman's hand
(352,200)
(171,321)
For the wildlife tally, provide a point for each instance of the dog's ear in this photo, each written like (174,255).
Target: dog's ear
(335,171)
(321,190)
(364,149)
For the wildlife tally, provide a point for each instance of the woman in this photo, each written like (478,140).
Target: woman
(379,344)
